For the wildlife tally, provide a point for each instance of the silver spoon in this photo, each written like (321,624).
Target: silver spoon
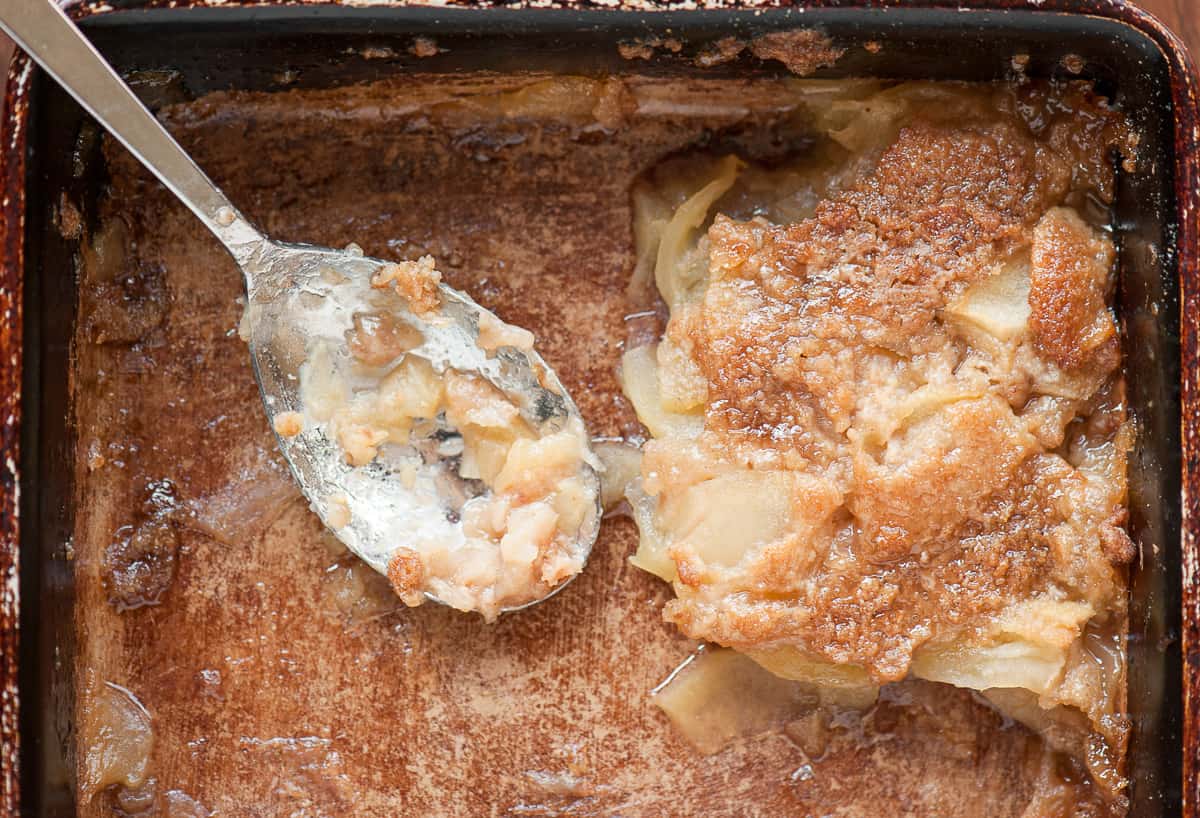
(300,294)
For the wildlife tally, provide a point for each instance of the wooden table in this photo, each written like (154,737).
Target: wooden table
(1181,15)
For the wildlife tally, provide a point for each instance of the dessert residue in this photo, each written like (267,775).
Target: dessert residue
(116,738)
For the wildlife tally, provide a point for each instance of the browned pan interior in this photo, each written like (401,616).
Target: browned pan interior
(539,230)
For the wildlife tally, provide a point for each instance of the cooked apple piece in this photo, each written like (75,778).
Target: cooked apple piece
(724,518)
(639,380)
(681,383)
(471,400)
(838,684)
(1065,729)
(1013,663)
(116,737)
(721,695)
(652,211)
(651,555)
(1029,649)
(998,305)
(534,467)
(932,397)
(573,503)
(378,338)
(622,466)
(530,530)
(484,452)
(682,263)
(412,390)
(918,405)
(322,391)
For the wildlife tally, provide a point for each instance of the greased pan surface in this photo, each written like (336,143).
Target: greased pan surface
(218,49)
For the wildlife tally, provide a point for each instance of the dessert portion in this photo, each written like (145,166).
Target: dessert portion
(887,419)
(517,483)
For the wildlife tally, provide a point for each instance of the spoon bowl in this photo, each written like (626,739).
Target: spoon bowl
(301,304)
(302,298)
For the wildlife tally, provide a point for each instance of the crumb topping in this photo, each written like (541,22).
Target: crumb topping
(415,281)
(288,424)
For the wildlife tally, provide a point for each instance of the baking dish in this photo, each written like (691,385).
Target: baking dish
(247,47)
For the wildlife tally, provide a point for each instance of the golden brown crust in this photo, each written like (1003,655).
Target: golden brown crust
(875,615)
(942,205)
(917,505)
(1068,295)
(415,281)
(407,575)
(826,352)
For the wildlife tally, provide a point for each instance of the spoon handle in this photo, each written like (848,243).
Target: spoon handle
(45,33)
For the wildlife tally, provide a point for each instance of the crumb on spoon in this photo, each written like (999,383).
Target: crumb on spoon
(415,281)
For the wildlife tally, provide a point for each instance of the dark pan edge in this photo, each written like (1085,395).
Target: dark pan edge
(1185,90)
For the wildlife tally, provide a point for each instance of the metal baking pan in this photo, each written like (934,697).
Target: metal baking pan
(236,45)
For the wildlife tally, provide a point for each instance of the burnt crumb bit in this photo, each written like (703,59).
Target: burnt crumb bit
(424,47)
(802,51)
(873,46)
(1073,63)
(1119,548)
(720,51)
(377,52)
(634,50)
(644,48)
(95,456)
